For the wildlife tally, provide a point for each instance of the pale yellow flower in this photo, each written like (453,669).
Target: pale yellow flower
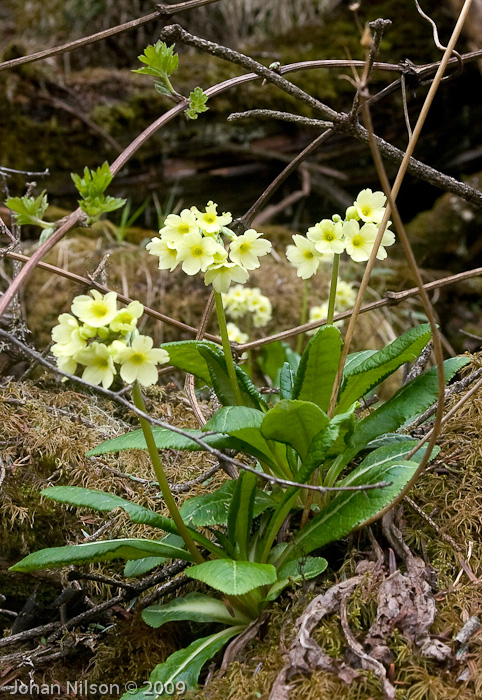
(99,364)
(177,226)
(67,365)
(166,252)
(246,249)
(96,311)
(359,241)
(370,206)
(327,236)
(138,362)
(221,276)
(304,256)
(345,296)
(235,335)
(209,220)
(126,319)
(196,252)
(67,337)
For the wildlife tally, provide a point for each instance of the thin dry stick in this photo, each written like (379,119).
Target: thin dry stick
(392,299)
(162,11)
(395,190)
(189,382)
(436,340)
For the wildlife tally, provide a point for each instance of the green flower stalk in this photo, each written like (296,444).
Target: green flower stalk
(161,477)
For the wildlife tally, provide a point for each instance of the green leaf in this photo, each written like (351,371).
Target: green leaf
(165,439)
(286,381)
(301,569)
(408,402)
(295,423)
(360,379)
(379,458)
(318,367)
(160,60)
(213,508)
(197,607)
(28,210)
(139,567)
(323,444)
(244,424)
(240,516)
(233,577)
(186,356)
(222,385)
(184,666)
(91,188)
(105,502)
(350,509)
(197,103)
(99,551)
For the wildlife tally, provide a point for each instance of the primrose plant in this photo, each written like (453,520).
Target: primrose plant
(343,466)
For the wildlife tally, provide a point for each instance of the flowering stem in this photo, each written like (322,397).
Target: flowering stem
(161,477)
(227,348)
(303,315)
(334,282)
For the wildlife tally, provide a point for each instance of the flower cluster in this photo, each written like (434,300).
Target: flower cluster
(356,234)
(98,336)
(194,239)
(241,301)
(344,299)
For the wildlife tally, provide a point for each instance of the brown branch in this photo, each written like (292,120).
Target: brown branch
(392,298)
(162,11)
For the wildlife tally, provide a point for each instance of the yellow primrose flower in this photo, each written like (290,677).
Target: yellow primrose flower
(66,364)
(359,241)
(166,251)
(196,252)
(221,276)
(209,220)
(370,206)
(177,226)
(327,236)
(99,364)
(87,331)
(126,319)
(235,335)
(304,256)
(138,363)
(351,213)
(97,311)
(345,295)
(246,249)
(67,337)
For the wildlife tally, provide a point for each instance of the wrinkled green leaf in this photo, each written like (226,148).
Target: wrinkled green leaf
(233,577)
(318,367)
(240,516)
(360,379)
(244,424)
(294,423)
(213,508)
(301,569)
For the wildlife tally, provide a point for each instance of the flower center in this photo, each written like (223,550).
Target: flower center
(103,363)
(198,252)
(366,210)
(329,236)
(309,255)
(244,247)
(99,309)
(137,358)
(357,241)
(183,228)
(209,218)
